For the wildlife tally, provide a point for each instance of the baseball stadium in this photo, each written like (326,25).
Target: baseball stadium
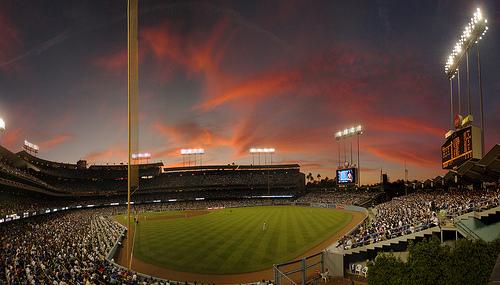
(236,117)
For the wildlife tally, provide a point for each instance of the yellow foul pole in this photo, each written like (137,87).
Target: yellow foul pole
(132,90)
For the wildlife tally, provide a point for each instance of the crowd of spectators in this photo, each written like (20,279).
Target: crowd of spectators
(65,248)
(329,196)
(418,211)
(72,247)
(15,204)
(247,179)
(18,204)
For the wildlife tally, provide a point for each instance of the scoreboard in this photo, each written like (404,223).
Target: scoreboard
(461,146)
(347,176)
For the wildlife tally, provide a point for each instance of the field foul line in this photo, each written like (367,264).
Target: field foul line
(133,244)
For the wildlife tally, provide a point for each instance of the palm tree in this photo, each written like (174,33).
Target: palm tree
(319,177)
(309,177)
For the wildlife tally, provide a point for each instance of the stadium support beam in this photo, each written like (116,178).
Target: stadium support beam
(133,90)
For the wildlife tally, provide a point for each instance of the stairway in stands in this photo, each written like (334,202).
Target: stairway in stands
(483,225)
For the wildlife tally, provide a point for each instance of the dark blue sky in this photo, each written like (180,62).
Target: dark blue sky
(230,75)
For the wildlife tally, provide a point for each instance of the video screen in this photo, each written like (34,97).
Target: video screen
(345,176)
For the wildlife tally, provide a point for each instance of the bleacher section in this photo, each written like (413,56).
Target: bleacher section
(154,178)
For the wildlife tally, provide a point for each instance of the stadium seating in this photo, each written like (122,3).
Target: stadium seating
(418,211)
(46,239)
(331,196)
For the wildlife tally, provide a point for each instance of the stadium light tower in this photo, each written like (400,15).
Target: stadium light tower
(30,147)
(139,157)
(192,152)
(473,32)
(2,127)
(266,151)
(344,134)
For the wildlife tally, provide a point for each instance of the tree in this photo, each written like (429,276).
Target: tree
(387,269)
(310,177)
(430,262)
(427,260)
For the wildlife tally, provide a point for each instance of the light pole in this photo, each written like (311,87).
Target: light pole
(338,142)
(474,32)
(140,157)
(265,151)
(192,152)
(480,98)
(2,126)
(342,135)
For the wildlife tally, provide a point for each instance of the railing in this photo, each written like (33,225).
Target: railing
(278,275)
(468,232)
(113,250)
(303,269)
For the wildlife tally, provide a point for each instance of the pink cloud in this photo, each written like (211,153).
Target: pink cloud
(55,141)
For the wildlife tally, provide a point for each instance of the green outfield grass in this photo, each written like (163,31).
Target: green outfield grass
(233,240)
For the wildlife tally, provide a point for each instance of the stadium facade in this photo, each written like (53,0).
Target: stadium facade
(24,173)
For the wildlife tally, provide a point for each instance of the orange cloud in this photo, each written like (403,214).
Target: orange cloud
(400,153)
(11,138)
(190,134)
(106,155)
(255,89)
(55,141)
(194,53)
(405,125)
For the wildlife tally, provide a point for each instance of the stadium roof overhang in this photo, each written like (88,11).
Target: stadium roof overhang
(486,169)
(16,160)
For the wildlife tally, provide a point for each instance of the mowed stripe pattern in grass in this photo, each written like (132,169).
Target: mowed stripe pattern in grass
(233,241)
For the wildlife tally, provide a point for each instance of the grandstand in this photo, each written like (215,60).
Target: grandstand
(154,178)
(435,207)
(76,184)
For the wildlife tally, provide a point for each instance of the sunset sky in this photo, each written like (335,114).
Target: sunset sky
(230,75)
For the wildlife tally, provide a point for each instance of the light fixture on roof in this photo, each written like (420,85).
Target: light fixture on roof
(262,150)
(30,147)
(196,152)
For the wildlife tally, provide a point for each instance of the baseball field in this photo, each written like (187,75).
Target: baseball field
(231,241)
